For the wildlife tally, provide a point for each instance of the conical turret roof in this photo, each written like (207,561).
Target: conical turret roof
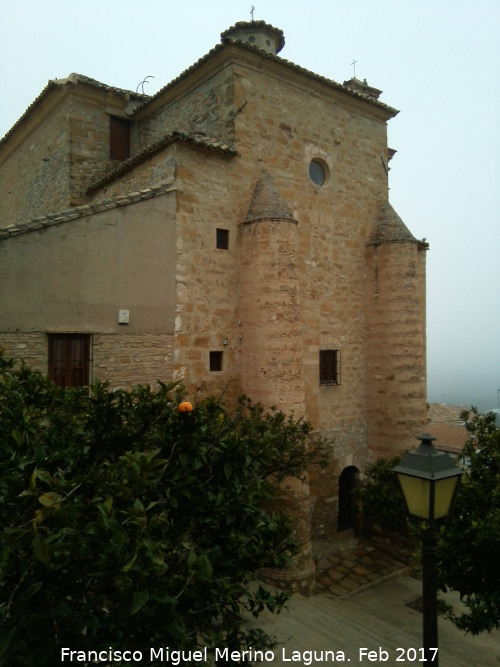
(390,228)
(267,203)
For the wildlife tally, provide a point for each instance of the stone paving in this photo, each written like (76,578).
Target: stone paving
(356,566)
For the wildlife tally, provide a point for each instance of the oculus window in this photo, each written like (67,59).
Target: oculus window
(317,172)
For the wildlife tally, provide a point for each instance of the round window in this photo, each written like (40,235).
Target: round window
(317,172)
(251,39)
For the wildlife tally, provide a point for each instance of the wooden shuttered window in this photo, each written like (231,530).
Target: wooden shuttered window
(329,367)
(69,359)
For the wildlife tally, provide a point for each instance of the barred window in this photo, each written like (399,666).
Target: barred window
(329,367)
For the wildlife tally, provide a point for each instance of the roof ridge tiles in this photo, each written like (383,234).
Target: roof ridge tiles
(210,143)
(270,56)
(44,221)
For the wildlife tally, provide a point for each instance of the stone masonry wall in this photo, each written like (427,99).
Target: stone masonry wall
(89,146)
(30,347)
(271,366)
(335,222)
(206,109)
(207,278)
(58,160)
(127,360)
(35,179)
(396,350)
(156,170)
(122,359)
(284,125)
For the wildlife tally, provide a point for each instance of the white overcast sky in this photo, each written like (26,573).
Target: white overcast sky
(438,61)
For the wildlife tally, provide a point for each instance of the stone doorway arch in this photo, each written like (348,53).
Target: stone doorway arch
(346,509)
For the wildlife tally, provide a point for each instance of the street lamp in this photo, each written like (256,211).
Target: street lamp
(429,480)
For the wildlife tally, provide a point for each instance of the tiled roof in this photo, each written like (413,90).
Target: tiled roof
(93,83)
(450,436)
(195,139)
(390,228)
(69,214)
(250,47)
(440,412)
(267,203)
(447,427)
(72,79)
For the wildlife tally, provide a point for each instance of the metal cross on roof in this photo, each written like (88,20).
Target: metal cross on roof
(354,67)
(252,11)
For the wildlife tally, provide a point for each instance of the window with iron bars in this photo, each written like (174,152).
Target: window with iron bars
(329,367)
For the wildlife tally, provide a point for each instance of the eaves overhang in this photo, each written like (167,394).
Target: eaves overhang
(44,222)
(55,86)
(199,141)
(214,54)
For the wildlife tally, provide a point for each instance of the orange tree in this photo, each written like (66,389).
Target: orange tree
(125,524)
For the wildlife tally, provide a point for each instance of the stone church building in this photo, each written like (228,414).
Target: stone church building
(232,231)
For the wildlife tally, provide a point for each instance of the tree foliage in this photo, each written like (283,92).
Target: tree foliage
(125,523)
(469,539)
(381,500)
(469,542)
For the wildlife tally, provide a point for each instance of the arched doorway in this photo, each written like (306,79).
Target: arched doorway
(347,482)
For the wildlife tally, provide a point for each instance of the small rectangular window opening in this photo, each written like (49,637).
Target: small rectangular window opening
(215,361)
(119,138)
(222,239)
(329,367)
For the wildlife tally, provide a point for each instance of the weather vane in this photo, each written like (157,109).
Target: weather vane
(252,11)
(354,67)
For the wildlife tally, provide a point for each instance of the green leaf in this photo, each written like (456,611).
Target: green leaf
(128,565)
(228,470)
(138,505)
(50,499)
(40,549)
(140,599)
(43,475)
(17,436)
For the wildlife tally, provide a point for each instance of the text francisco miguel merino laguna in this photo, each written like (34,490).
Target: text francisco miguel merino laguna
(182,657)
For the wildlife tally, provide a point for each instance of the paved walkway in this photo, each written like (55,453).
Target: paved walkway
(356,566)
(362,613)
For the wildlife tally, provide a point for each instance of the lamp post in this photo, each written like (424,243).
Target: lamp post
(429,480)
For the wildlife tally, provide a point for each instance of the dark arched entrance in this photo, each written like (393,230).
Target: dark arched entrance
(347,482)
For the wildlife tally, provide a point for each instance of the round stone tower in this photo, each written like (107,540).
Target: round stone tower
(271,350)
(396,336)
